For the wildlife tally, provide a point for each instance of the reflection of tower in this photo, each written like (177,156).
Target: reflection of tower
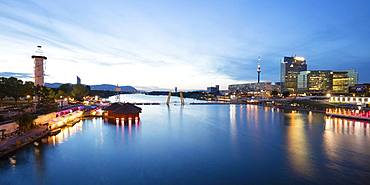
(118,92)
(39,66)
(182,98)
(259,70)
(168,98)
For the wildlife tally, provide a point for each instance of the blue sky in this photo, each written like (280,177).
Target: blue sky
(188,44)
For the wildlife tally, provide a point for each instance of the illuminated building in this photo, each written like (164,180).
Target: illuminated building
(350,100)
(252,87)
(342,80)
(290,69)
(39,66)
(315,82)
(123,111)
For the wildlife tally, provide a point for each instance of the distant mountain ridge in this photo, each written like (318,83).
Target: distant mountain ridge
(101,87)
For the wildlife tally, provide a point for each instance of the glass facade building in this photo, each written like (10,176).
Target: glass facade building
(343,80)
(326,81)
(290,69)
(315,82)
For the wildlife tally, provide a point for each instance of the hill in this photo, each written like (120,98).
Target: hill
(101,87)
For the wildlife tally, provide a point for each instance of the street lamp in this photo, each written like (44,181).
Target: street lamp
(28,98)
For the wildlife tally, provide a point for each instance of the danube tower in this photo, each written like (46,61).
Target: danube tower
(39,66)
(259,70)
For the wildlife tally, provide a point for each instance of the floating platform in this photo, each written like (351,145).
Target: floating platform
(348,116)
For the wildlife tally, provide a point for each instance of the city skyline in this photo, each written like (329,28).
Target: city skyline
(168,44)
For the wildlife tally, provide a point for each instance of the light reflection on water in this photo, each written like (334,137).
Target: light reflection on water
(204,144)
(298,145)
(347,127)
(64,134)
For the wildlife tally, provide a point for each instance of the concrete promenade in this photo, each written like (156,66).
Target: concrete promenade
(12,144)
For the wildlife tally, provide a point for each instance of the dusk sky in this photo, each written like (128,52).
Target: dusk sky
(188,44)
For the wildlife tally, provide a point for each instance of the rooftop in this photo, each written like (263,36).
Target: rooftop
(123,108)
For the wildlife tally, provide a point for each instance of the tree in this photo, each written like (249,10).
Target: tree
(66,89)
(29,88)
(14,88)
(286,94)
(25,121)
(274,93)
(60,94)
(51,94)
(3,92)
(79,91)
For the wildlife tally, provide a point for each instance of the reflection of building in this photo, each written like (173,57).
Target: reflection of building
(342,80)
(346,126)
(214,90)
(39,66)
(360,90)
(253,87)
(290,69)
(318,81)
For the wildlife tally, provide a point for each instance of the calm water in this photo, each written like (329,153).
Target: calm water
(200,144)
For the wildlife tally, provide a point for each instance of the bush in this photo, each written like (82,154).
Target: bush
(25,121)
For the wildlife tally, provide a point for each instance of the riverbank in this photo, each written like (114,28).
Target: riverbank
(12,144)
(49,124)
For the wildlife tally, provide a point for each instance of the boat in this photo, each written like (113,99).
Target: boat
(55,132)
(70,124)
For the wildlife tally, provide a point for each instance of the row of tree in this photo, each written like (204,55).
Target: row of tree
(16,89)
(77,91)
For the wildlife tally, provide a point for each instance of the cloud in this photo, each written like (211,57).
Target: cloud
(190,45)
(16,75)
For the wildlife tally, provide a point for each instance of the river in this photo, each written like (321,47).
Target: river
(200,144)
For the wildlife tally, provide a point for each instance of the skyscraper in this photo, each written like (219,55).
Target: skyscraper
(39,66)
(78,80)
(290,69)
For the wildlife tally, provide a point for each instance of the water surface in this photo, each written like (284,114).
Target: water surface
(200,144)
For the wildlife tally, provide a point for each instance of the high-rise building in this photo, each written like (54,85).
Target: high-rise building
(78,80)
(342,80)
(290,69)
(315,82)
(39,66)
